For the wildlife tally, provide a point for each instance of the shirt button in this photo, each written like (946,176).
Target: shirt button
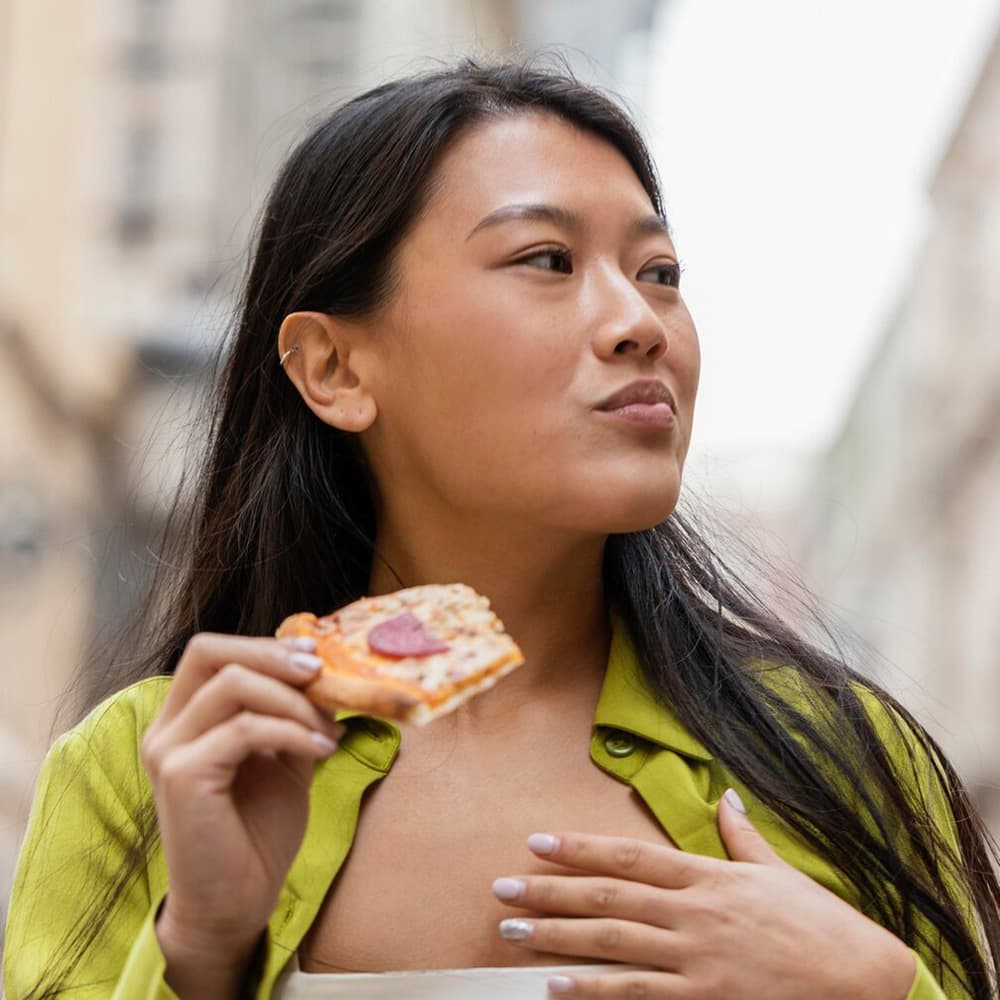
(619,744)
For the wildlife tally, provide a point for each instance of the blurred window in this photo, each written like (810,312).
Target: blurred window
(319,72)
(21,531)
(146,55)
(324,10)
(324,42)
(147,60)
(136,214)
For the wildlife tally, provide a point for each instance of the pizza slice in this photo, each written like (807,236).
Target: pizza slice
(413,655)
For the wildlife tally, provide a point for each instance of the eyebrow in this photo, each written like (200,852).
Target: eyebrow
(539,212)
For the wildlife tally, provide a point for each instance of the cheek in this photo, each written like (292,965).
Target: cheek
(684,357)
(470,366)
(477,403)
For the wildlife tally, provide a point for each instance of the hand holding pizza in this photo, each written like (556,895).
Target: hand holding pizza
(230,759)
(231,754)
(741,929)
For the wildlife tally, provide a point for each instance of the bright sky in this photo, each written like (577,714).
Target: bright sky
(795,140)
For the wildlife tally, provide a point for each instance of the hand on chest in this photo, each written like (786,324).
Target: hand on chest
(415,891)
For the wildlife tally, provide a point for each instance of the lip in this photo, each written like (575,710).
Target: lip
(642,394)
(644,414)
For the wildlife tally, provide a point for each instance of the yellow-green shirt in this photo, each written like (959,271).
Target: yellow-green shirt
(92,784)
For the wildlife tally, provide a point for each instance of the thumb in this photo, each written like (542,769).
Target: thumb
(742,840)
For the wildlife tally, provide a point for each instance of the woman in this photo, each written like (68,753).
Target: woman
(462,355)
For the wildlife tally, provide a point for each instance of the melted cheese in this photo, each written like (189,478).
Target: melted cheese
(453,613)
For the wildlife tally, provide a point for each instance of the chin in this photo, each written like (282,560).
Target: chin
(626,526)
(631,511)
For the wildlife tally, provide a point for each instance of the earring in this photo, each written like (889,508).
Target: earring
(284,357)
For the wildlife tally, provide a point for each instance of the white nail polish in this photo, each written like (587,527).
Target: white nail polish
(305,663)
(560,984)
(515,930)
(301,642)
(323,742)
(508,888)
(543,843)
(733,798)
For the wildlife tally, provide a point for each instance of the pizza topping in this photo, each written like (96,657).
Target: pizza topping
(403,636)
(413,655)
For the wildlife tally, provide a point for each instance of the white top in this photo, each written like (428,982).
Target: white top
(517,983)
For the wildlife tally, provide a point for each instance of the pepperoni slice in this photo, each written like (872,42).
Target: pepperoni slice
(404,635)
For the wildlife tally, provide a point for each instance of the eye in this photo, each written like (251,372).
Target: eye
(668,274)
(554,259)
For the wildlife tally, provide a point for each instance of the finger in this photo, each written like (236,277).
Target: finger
(218,753)
(604,938)
(581,896)
(299,769)
(207,653)
(234,689)
(743,841)
(622,986)
(623,857)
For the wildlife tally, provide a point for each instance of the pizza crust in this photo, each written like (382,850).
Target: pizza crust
(334,691)
(421,713)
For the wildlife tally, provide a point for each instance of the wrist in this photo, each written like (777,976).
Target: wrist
(891,976)
(202,961)
(905,971)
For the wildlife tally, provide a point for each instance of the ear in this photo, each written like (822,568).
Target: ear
(323,363)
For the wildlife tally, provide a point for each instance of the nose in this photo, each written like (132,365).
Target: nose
(628,323)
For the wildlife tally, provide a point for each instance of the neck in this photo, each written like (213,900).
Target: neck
(548,593)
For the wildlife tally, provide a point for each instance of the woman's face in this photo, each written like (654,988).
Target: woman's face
(535,284)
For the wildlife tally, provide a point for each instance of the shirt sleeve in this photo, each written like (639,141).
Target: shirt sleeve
(80,835)
(142,976)
(939,974)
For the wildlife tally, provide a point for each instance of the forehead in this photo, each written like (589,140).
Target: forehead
(532,158)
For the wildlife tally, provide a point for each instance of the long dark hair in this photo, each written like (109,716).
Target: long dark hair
(280,490)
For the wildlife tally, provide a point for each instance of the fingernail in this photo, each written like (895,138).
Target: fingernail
(733,798)
(515,930)
(543,843)
(508,888)
(560,984)
(336,730)
(305,663)
(323,742)
(302,643)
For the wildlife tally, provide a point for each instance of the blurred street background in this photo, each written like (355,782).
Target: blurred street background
(832,175)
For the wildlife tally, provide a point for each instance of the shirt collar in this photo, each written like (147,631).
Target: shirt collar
(626,701)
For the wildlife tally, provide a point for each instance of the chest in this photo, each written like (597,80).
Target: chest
(414,892)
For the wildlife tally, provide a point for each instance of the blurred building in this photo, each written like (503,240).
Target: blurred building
(137,142)
(905,513)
